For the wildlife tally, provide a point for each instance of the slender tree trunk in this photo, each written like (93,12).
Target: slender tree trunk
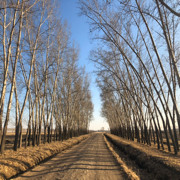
(13,83)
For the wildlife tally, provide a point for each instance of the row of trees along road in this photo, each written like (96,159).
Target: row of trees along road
(41,86)
(138,67)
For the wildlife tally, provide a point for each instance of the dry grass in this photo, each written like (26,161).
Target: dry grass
(162,164)
(131,174)
(13,163)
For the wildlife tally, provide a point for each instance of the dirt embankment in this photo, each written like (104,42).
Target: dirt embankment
(13,163)
(160,164)
(91,160)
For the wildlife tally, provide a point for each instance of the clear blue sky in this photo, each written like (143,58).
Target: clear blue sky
(80,35)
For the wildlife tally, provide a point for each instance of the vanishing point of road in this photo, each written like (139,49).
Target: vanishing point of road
(89,160)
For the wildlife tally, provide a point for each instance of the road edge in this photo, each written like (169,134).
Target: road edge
(130,173)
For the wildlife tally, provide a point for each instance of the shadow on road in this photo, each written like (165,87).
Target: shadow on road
(91,155)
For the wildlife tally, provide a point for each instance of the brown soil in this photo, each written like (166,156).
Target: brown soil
(96,157)
(13,163)
(147,162)
(89,160)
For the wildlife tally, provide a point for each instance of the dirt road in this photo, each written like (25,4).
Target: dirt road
(89,160)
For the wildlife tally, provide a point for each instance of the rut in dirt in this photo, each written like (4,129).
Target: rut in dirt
(91,159)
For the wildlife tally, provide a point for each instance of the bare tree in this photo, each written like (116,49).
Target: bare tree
(135,68)
(40,77)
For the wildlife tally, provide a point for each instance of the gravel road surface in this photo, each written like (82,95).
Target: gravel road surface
(89,160)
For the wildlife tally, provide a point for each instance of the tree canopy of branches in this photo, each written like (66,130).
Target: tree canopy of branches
(42,88)
(138,68)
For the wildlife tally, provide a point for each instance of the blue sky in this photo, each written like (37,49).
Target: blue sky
(80,35)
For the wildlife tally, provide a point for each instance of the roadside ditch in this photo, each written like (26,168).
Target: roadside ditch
(143,162)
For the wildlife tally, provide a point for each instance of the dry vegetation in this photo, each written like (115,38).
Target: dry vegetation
(13,163)
(137,59)
(131,175)
(159,164)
